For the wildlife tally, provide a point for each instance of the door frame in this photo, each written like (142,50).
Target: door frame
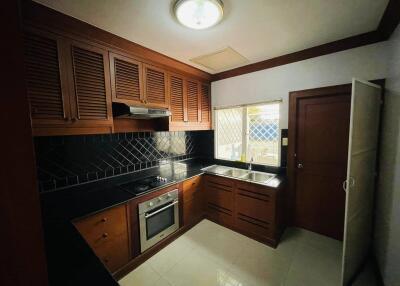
(294,97)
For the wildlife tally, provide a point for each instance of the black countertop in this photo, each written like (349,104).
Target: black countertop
(70,259)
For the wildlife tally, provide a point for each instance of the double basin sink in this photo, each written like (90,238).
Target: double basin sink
(240,174)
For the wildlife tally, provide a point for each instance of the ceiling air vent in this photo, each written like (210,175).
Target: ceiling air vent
(221,60)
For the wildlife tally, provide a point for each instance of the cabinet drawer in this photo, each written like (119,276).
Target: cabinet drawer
(256,205)
(220,215)
(256,188)
(254,226)
(114,253)
(220,197)
(220,182)
(104,226)
(191,187)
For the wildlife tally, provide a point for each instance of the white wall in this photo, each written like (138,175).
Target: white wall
(387,227)
(368,62)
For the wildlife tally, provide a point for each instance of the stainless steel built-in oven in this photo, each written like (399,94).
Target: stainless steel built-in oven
(158,218)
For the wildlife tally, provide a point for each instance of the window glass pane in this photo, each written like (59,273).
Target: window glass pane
(263,134)
(229,133)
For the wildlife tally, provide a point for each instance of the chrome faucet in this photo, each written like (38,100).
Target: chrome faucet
(250,164)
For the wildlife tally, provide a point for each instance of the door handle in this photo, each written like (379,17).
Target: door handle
(160,210)
(348,184)
(300,166)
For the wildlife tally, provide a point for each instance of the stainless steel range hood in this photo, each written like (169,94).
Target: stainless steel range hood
(122,110)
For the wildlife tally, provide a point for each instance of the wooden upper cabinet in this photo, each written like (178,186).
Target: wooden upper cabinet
(205,103)
(193,105)
(190,104)
(91,84)
(155,86)
(68,85)
(177,98)
(126,79)
(45,79)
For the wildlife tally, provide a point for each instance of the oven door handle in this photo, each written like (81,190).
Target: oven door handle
(160,210)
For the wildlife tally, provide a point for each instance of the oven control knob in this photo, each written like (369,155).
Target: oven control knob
(169,195)
(160,199)
(151,204)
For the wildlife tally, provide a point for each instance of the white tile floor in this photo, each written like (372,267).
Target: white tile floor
(211,255)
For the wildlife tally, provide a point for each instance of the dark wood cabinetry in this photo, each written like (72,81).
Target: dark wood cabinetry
(126,79)
(255,210)
(155,87)
(193,200)
(46,82)
(220,199)
(67,83)
(75,71)
(189,103)
(177,99)
(90,85)
(205,105)
(251,209)
(107,233)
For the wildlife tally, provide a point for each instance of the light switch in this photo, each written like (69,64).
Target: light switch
(284,141)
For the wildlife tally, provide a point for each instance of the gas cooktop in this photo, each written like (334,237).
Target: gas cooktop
(137,187)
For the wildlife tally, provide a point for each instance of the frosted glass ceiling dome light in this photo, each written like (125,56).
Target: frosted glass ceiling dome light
(199,14)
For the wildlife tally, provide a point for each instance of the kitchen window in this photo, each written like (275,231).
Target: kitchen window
(246,132)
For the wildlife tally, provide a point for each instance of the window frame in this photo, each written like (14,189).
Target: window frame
(245,132)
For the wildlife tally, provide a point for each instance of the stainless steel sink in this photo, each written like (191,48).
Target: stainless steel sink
(240,174)
(236,173)
(216,169)
(258,177)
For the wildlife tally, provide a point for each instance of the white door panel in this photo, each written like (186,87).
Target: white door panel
(361,168)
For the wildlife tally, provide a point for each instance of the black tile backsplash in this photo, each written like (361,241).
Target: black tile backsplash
(70,160)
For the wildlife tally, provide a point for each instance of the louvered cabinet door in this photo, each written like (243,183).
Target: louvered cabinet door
(91,82)
(155,86)
(177,99)
(205,103)
(46,79)
(126,79)
(193,106)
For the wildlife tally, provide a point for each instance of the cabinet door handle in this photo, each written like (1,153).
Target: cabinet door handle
(300,166)
(105,235)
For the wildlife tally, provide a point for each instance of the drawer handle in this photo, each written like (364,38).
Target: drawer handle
(104,219)
(105,235)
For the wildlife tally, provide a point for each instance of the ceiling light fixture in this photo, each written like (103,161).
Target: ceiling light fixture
(199,14)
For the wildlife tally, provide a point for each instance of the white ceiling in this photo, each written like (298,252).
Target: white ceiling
(257,29)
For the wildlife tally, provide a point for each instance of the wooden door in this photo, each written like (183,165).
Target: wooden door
(319,127)
(91,93)
(205,103)
(193,101)
(361,176)
(126,79)
(155,86)
(178,102)
(46,79)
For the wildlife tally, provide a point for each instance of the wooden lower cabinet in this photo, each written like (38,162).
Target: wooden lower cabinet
(251,209)
(107,233)
(193,200)
(219,199)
